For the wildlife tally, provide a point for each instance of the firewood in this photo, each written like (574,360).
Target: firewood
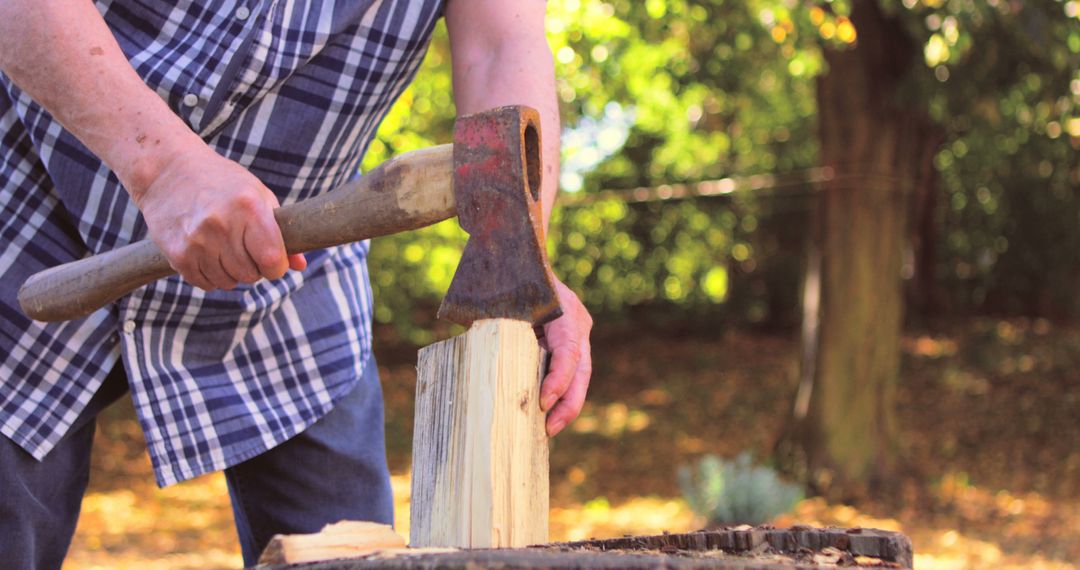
(480,455)
(345,539)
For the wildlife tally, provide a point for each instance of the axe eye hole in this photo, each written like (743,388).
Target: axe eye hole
(532,160)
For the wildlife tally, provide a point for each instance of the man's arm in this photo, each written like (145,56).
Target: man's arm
(212,219)
(501,57)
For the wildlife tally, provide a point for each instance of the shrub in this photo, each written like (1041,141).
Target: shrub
(736,491)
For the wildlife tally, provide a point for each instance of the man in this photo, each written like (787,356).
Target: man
(190,122)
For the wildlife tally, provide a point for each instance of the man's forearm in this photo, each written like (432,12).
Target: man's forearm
(211,218)
(501,57)
(514,68)
(63,56)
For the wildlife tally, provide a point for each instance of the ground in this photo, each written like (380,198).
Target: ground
(988,408)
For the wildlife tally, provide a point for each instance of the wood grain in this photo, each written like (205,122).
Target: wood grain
(480,455)
(345,539)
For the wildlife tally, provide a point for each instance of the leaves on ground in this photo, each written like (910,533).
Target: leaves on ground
(988,413)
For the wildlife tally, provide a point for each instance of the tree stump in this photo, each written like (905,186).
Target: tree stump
(740,548)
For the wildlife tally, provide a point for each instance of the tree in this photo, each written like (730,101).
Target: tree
(880,138)
(875,144)
(949,129)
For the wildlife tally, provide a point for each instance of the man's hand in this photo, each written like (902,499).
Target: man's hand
(214,221)
(567,381)
(501,57)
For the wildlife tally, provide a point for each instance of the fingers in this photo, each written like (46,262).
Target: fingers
(238,263)
(214,271)
(214,221)
(243,245)
(563,391)
(297,262)
(221,252)
(262,239)
(190,259)
(189,269)
(565,357)
(572,401)
(202,265)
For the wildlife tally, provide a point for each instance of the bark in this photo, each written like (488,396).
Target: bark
(740,548)
(876,146)
(923,294)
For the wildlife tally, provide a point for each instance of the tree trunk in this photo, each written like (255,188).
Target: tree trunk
(922,294)
(853,293)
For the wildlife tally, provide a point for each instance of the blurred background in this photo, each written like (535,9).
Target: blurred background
(832,250)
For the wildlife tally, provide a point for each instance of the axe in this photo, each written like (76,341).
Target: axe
(489,177)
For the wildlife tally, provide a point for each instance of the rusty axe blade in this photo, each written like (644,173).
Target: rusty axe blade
(504,270)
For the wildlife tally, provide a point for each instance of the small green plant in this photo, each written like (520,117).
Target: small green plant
(736,492)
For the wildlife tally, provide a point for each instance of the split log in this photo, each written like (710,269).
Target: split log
(480,455)
(346,539)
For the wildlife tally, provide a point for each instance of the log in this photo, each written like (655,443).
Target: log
(738,548)
(480,455)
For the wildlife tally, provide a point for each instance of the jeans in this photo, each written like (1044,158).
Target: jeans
(335,470)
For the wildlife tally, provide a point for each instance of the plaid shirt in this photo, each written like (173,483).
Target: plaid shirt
(291,89)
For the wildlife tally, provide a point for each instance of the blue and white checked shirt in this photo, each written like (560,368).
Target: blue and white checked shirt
(291,89)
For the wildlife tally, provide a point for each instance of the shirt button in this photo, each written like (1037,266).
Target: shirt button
(129,327)
(242,13)
(191,100)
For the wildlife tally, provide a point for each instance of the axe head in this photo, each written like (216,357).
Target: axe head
(504,271)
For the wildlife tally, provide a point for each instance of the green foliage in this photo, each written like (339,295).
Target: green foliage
(410,274)
(1005,89)
(1010,236)
(707,81)
(670,91)
(646,252)
(736,492)
(679,79)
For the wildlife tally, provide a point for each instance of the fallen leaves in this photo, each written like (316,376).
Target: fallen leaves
(993,433)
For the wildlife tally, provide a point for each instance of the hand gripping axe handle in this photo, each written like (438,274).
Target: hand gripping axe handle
(490,178)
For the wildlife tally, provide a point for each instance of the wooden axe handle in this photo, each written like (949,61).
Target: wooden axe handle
(407,192)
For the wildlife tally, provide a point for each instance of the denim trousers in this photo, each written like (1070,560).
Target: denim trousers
(335,470)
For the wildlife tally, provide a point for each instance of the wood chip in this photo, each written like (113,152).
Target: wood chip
(345,539)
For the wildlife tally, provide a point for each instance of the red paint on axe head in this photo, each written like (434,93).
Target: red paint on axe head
(504,271)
